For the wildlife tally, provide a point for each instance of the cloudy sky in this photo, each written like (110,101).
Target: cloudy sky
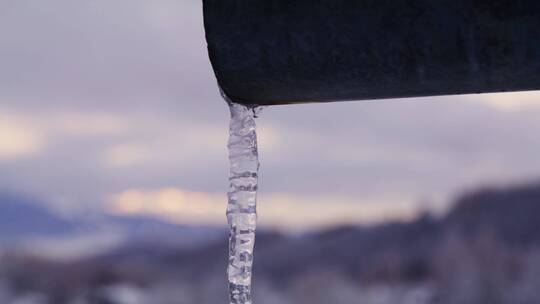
(112,105)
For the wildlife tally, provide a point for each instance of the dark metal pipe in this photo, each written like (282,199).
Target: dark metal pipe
(270,52)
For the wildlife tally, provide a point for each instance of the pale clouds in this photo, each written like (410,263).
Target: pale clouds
(513,102)
(28,134)
(18,140)
(276,210)
(172,203)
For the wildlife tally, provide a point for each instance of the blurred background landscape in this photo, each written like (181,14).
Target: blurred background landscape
(485,250)
(113,173)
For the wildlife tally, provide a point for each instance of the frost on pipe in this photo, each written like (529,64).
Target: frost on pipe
(242,196)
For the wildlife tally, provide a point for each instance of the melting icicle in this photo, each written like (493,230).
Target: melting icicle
(242,211)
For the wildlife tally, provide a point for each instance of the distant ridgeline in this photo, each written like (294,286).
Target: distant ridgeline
(487,227)
(511,216)
(482,223)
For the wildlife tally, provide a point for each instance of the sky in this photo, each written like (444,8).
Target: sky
(112,106)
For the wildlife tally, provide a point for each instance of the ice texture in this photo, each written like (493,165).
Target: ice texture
(242,207)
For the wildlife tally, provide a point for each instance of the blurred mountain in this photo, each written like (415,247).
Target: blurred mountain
(22,217)
(485,250)
(25,220)
(510,215)
(396,251)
